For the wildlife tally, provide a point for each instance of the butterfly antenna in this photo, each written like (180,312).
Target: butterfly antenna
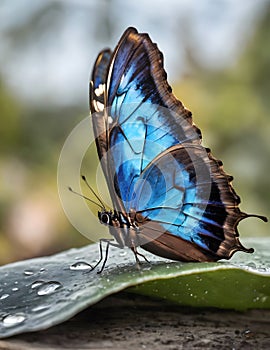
(94,193)
(81,195)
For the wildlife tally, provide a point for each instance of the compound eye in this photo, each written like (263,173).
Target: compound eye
(105,218)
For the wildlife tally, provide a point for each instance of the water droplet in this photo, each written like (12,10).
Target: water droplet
(48,288)
(41,308)
(28,272)
(13,320)
(80,265)
(252,265)
(124,253)
(4,296)
(15,289)
(37,284)
(42,269)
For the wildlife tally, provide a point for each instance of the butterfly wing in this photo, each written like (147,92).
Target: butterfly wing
(143,135)
(194,216)
(135,116)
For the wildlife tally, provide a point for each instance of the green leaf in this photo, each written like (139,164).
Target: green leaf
(38,293)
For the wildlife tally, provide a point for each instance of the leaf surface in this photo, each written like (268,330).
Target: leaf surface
(38,293)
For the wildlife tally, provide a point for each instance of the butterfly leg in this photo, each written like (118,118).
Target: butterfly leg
(136,253)
(109,242)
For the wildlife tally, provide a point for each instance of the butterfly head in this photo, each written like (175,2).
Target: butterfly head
(115,219)
(105,217)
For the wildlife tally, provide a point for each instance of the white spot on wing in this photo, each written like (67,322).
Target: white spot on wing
(100,90)
(99,107)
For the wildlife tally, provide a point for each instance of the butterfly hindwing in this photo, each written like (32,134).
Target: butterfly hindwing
(189,204)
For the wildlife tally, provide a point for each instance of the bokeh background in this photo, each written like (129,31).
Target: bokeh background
(217,55)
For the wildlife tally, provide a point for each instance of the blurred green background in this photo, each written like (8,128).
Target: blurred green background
(217,55)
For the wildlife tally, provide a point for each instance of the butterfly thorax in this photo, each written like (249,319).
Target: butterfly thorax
(121,227)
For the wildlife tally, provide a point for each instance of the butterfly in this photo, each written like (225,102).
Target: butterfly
(170,195)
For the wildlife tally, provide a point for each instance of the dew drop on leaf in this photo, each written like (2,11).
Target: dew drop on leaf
(13,320)
(48,287)
(41,308)
(37,284)
(28,272)
(123,253)
(80,265)
(4,296)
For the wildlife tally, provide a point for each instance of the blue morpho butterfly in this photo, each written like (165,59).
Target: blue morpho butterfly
(170,195)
